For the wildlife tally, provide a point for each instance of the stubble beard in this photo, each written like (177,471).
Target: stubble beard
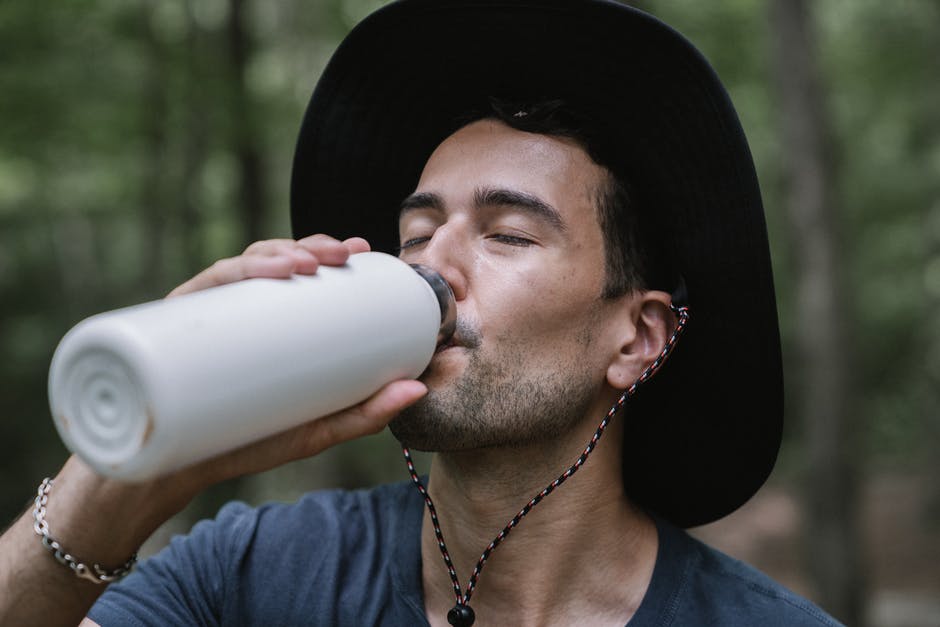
(497,403)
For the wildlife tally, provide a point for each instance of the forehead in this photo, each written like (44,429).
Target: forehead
(489,154)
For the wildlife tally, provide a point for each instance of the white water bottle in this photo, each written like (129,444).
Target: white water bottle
(142,391)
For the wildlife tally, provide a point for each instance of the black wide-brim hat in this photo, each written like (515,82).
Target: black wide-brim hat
(702,436)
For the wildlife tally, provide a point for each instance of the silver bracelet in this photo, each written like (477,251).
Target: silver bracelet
(95,573)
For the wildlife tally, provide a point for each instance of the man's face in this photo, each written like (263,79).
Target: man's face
(508,218)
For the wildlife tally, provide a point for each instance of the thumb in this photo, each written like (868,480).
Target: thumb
(310,438)
(368,417)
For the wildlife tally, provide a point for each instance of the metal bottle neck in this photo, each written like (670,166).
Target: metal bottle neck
(445,297)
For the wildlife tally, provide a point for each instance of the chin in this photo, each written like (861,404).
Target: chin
(443,370)
(429,426)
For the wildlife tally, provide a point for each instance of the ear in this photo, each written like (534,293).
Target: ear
(647,325)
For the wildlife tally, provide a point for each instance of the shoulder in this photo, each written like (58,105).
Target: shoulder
(732,592)
(251,564)
(331,529)
(343,512)
(272,527)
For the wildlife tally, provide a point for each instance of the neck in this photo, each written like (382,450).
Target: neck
(582,555)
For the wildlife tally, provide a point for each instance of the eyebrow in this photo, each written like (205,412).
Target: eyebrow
(528,203)
(421,200)
(491,197)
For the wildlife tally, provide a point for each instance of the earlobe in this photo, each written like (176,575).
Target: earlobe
(650,324)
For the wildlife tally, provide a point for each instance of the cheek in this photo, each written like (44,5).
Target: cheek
(536,307)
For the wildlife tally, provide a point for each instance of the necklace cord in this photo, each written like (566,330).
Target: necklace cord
(462,609)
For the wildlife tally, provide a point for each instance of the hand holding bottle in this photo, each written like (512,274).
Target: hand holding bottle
(103,520)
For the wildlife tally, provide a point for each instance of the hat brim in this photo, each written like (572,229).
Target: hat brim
(703,435)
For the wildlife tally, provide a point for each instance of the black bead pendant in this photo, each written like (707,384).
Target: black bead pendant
(461,615)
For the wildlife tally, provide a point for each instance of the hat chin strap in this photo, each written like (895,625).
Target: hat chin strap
(462,615)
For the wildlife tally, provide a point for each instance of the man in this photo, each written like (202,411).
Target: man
(574,170)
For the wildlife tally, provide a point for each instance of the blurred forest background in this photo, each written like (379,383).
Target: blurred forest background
(140,141)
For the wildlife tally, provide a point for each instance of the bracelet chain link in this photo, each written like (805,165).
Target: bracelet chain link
(94,573)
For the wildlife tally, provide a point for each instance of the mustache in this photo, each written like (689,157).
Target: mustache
(466,334)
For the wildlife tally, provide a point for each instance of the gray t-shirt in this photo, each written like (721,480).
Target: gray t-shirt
(353,558)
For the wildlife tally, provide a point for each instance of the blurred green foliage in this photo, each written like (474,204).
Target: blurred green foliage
(880,64)
(120,177)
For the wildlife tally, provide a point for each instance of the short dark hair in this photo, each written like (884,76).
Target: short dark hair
(626,251)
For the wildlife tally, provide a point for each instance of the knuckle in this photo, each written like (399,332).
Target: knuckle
(319,238)
(220,265)
(268,246)
(225,270)
(327,435)
(375,427)
(254,247)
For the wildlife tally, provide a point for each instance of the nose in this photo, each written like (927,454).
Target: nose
(446,254)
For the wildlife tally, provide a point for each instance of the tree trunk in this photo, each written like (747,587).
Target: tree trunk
(931,357)
(194,147)
(245,137)
(932,341)
(245,129)
(153,202)
(823,317)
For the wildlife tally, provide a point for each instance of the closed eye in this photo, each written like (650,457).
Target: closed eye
(411,243)
(512,240)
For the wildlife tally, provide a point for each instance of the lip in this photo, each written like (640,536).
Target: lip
(447,346)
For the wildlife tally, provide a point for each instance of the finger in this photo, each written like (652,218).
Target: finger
(270,247)
(239,268)
(305,261)
(357,245)
(319,244)
(328,250)
(311,438)
(276,258)
(370,416)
